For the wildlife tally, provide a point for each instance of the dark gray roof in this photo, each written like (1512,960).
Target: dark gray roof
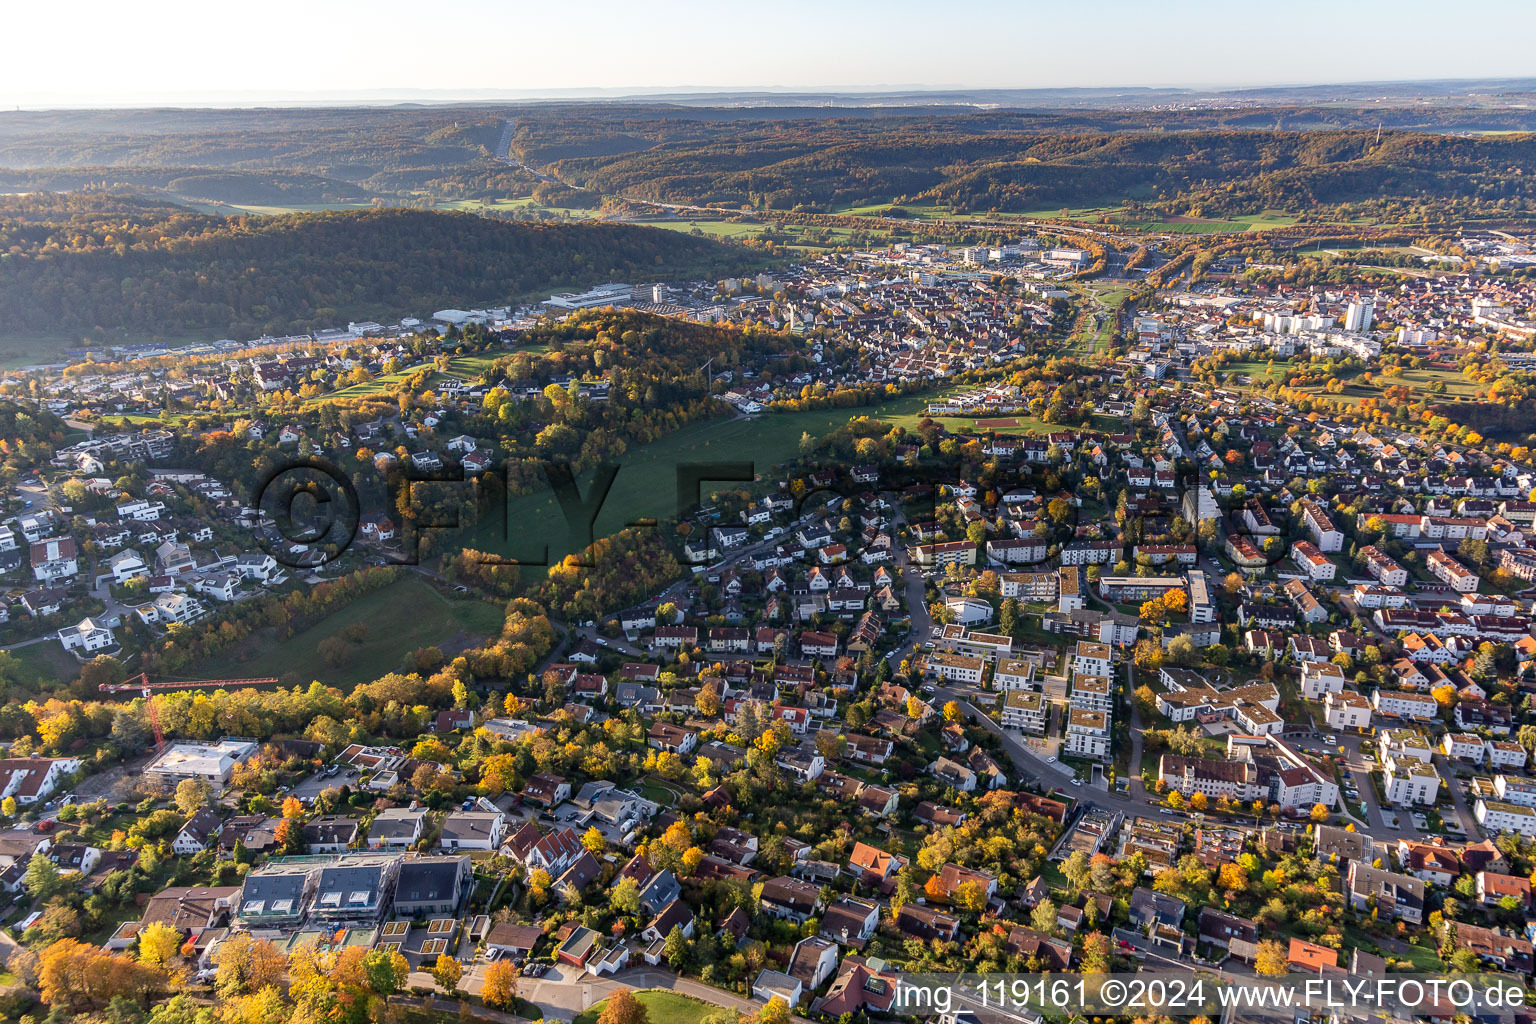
(429,880)
(268,889)
(348,880)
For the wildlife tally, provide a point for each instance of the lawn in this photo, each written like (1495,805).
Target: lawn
(645,487)
(661,1008)
(402,617)
(656,792)
(1021,423)
(45,663)
(1457,387)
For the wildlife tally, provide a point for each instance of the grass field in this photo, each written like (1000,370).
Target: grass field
(45,663)
(1258,370)
(660,1007)
(400,618)
(1457,387)
(713,228)
(646,488)
(464,367)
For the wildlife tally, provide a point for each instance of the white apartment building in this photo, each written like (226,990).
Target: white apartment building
(1092,693)
(1459,577)
(1312,561)
(1024,710)
(1464,746)
(955,668)
(1318,679)
(1420,707)
(1495,816)
(1504,754)
(1410,781)
(1347,710)
(1325,534)
(1015,674)
(1407,742)
(1383,567)
(1088,734)
(1093,659)
(1515,790)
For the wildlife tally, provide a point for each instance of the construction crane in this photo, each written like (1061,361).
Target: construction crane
(148,690)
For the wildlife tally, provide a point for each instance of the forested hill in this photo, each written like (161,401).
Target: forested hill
(102,268)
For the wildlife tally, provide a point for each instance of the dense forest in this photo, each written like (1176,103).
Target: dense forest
(832,164)
(815,157)
(100,267)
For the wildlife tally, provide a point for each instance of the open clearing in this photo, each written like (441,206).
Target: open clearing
(400,618)
(645,487)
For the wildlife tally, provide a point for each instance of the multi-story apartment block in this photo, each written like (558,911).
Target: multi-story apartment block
(1088,734)
(1023,709)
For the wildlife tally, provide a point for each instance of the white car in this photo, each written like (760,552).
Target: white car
(1051,759)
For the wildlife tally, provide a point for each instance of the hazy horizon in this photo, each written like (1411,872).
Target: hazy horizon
(477,50)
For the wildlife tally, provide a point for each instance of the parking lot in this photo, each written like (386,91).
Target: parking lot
(310,787)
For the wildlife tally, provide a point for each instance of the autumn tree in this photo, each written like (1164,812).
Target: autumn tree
(776,1011)
(624,1008)
(244,965)
(593,840)
(447,971)
(499,985)
(387,971)
(159,943)
(192,796)
(1272,959)
(1095,953)
(74,975)
(971,896)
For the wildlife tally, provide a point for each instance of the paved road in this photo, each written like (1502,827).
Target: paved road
(566,992)
(28,643)
(1133,772)
(1459,798)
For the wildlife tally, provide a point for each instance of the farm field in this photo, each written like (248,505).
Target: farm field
(645,487)
(715,228)
(521,203)
(224,209)
(400,618)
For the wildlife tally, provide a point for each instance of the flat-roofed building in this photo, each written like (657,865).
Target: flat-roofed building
(212,763)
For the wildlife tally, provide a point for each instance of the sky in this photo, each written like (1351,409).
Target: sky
(110,53)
